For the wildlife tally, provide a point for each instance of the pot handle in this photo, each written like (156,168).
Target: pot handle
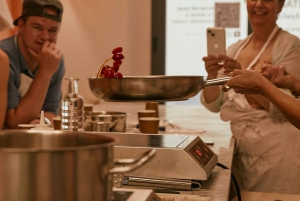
(215,82)
(135,163)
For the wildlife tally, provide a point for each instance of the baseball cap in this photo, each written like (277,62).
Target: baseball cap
(36,8)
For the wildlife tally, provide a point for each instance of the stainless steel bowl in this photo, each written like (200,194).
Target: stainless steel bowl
(99,126)
(150,88)
(117,120)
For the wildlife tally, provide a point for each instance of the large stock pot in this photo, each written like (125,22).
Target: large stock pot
(59,165)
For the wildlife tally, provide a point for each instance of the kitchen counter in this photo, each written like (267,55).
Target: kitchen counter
(191,120)
(260,196)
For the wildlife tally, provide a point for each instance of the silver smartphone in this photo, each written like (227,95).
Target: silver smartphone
(216,41)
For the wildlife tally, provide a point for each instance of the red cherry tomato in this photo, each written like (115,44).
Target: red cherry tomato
(116,67)
(109,73)
(118,57)
(117,50)
(104,68)
(118,62)
(113,71)
(119,75)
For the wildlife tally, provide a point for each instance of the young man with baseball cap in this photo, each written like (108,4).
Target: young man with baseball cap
(36,64)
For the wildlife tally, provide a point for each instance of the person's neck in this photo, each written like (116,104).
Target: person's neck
(262,33)
(29,59)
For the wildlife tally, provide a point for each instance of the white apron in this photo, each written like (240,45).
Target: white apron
(267,154)
(25,84)
(25,80)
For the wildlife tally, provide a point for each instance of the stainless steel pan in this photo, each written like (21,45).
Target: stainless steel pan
(150,88)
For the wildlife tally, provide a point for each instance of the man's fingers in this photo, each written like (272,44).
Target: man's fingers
(46,44)
(59,54)
(52,46)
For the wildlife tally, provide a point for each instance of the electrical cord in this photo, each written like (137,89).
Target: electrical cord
(237,188)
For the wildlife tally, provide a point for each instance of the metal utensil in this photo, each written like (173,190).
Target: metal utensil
(179,184)
(158,88)
(117,120)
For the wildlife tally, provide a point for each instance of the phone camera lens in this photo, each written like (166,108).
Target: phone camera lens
(209,31)
(213,34)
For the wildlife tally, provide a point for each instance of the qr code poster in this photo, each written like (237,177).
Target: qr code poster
(227,15)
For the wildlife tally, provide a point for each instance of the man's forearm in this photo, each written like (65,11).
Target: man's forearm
(31,104)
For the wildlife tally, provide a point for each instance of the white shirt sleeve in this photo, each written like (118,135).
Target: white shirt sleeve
(286,52)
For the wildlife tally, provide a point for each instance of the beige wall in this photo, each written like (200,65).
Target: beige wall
(91,29)
(15,10)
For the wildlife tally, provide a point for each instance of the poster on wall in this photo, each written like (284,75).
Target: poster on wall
(289,17)
(186,23)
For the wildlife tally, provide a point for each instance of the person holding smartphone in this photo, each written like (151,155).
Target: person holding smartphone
(262,134)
